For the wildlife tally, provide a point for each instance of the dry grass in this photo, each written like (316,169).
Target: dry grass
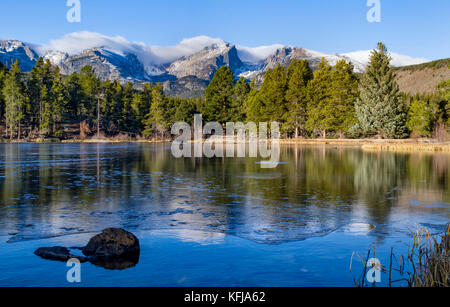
(426,265)
(430,259)
(407,147)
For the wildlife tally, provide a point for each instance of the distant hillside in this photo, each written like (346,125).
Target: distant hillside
(423,78)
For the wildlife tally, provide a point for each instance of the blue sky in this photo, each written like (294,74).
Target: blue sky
(416,28)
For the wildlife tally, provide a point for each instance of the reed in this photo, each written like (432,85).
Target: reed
(430,259)
(427,264)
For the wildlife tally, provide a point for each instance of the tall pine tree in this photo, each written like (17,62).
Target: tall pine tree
(156,121)
(14,93)
(380,108)
(46,112)
(3,72)
(344,91)
(58,100)
(320,100)
(272,95)
(41,76)
(444,89)
(240,94)
(298,75)
(219,96)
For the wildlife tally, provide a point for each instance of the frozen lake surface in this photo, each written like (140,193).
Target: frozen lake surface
(214,222)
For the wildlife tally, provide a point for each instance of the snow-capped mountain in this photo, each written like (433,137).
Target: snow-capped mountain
(286,55)
(12,50)
(56,57)
(107,64)
(186,67)
(206,62)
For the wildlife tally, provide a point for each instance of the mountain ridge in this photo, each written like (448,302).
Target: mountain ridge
(192,71)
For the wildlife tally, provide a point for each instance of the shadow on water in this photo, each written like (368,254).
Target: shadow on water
(58,189)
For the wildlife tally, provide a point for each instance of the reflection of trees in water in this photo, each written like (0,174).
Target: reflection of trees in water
(430,172)
(318,189)
(378,179)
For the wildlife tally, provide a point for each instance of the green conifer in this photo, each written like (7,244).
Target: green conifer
(380,108)
(14,93)
(320,100)
(219,96)
(298,74)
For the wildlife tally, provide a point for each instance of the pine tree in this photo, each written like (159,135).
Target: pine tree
(74,95)
(320,100)
(240,93)
(106,104)
(420,118)
(185,109)
(344,91)
(444,89)
(46,115)
(253,104)
(41,76)
(128,121)
(380,108)
(58,101)
(272,95)
(298,75)
(3,72)
(157,119)
(141,104)
(219,96)
(90,85)
(15,96)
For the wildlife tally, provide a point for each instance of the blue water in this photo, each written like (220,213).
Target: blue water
(215,222)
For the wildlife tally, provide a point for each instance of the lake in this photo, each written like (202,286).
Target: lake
(215,222)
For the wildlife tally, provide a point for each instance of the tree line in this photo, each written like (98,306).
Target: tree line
(332,101)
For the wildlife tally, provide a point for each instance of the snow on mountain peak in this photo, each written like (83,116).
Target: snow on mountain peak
(56,57)
(10,45)
(397,59)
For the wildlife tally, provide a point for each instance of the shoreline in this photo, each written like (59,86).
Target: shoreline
(406,145)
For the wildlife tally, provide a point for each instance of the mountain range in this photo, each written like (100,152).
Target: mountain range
(186,75)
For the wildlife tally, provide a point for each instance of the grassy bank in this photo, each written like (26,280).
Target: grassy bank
(407,145)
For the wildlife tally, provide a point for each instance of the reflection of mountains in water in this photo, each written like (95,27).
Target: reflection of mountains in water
(142,187)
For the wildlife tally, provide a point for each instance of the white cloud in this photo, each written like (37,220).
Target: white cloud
(397,59)
(257,54)
(149,55)
(76,42)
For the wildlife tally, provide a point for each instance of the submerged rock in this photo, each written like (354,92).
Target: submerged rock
(57,253)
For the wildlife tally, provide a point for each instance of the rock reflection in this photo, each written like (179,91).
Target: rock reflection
(116,263)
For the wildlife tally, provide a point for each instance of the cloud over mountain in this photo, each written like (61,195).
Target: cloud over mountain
(76,42)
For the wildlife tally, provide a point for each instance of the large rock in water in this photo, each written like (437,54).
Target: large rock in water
(113,243)
(57,253)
